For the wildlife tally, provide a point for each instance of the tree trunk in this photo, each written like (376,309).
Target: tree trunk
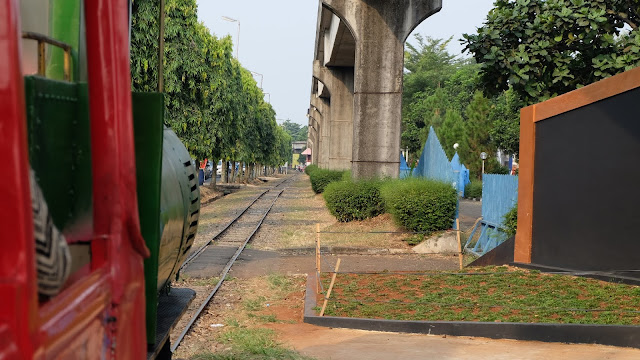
(233,172)
(225,172)
(214,175)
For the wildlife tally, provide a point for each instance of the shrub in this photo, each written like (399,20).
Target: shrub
(349,200)
(473,189)
(320,178)
(420,205)
(511,221)
(309,169)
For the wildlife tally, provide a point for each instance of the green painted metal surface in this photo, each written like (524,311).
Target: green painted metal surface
(168,199)
(60,152)
(65,18)
(148,114)
(180,201)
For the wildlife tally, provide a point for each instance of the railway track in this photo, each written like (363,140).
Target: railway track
(216,258)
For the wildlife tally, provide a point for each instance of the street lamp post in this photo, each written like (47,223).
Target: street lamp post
(269,101)
(483,156)
(225,18)
(261,77)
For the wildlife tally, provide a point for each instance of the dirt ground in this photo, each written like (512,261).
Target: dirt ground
(282,250)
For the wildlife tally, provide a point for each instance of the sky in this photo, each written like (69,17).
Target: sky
(277,40)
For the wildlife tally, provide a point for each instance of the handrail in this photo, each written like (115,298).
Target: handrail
(42,40)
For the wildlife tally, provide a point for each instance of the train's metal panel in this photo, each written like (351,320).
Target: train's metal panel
(148,114)
(116,219)
(171,307)
(60,152)
(180,209)
(18,297)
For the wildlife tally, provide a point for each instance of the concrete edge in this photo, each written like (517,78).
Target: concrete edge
(614,335)
(343,250)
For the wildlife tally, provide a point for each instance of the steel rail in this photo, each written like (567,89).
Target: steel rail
(197,253)
(223,275)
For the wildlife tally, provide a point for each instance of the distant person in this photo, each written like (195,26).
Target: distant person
(53,259)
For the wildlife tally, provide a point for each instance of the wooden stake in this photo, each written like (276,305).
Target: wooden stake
(333,280)
(318,261)
(460,256)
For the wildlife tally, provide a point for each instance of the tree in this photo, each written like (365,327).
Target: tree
(435,83)
(452,132)
(295,130)
(477,129)
(505,118)
(543,48)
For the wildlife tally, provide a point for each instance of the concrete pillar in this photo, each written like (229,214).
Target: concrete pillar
(380,28)
(339,81)
(320,111)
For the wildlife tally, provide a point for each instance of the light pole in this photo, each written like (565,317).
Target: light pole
(225,18)
(261,77)
(269,101)
(483,156)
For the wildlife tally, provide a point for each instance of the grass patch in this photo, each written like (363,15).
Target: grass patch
(492,294)
(254,344)
(255,304)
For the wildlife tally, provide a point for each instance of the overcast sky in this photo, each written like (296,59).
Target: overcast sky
(277,39)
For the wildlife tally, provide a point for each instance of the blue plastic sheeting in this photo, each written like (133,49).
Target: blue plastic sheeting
(499,194)
(461,174)
(434,163)
(405,170)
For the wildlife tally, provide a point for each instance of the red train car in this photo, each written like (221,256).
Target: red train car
(100,312)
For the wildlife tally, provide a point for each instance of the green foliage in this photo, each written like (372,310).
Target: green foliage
(297,131)
(451,132)
(212,103)
(354,200)
(251,344)
(543,48)
(420,205)
(473,190)
(511,221)
(320,178)
(310,169)
(505,118)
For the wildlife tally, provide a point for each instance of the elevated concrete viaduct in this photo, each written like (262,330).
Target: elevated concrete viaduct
(359,59)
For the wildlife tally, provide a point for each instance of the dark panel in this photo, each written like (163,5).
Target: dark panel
(60,152)
(500,255)
(585,191)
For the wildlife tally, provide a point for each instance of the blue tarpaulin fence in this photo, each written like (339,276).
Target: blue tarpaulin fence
(499,195)
(461,174)
(405,170)
(434,163)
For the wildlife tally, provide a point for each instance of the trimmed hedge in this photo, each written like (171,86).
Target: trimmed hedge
(309,169)
(420,205)
(349,200)
(473,189)
(320,178)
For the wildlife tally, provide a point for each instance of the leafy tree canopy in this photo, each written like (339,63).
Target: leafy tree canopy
(543,48)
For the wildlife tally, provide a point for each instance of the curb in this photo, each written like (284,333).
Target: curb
(614,335)
(341,250)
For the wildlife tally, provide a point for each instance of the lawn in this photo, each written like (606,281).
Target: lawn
(490,294)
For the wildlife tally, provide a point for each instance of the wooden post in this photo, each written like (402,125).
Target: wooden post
(318,260)
(333,280)
(459,242)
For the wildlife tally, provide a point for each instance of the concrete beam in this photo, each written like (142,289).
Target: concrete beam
(380,29)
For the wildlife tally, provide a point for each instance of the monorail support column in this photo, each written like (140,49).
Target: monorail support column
(339,81)
(380,29)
